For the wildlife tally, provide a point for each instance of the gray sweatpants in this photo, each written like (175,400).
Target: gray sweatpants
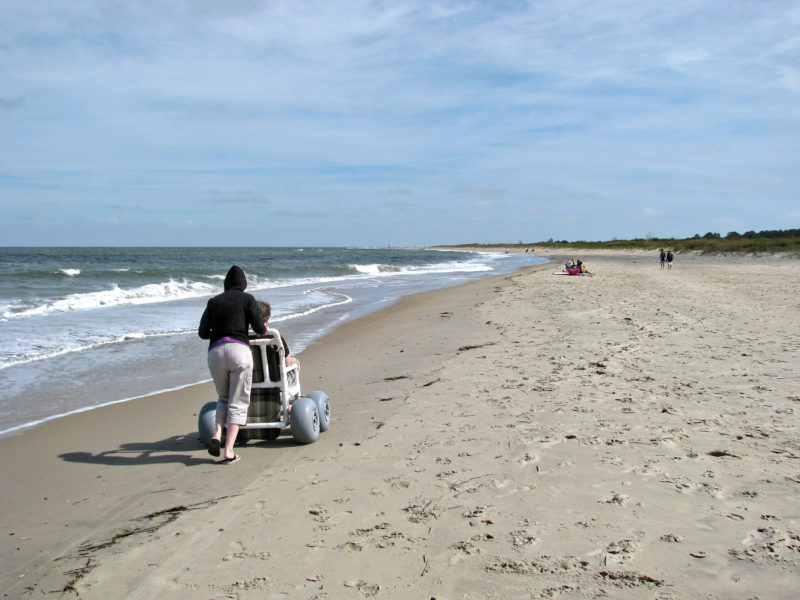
(231,366)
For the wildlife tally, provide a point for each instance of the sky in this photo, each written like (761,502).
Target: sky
(408,123)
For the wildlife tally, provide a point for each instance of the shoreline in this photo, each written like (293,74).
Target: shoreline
(18,429)
(21,427)
(42,389)
(632,435)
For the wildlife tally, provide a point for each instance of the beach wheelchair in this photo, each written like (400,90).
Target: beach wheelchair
(275,399)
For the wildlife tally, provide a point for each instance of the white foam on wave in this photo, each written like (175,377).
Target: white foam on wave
(339,299)
(70,272)
(382,270)
(372,269)
(183,289)
(116,296)
(55,352)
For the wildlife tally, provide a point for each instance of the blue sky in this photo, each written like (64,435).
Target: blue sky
(406,123)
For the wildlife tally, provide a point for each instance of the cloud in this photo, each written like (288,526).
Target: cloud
(11,103)
(242,198)
(298,214)
(401,205)
(484,205)
(605,107)
(790,78)
(647,212)
(482,189)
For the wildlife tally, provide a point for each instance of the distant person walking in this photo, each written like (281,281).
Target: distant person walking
(226,324)
(670,256)
(661,257)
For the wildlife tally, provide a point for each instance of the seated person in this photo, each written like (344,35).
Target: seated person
(266,312)
(582,268)
(572,268)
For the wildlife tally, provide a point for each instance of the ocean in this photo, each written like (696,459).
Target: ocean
(85,327)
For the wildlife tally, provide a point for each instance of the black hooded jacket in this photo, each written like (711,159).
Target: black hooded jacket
(231,313)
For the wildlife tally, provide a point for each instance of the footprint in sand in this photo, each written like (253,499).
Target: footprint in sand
(463,546)
(615,498)
(365,588)
(620,551)
(522,539)
(770,545)
(352,547)
(397,482)
(478,511)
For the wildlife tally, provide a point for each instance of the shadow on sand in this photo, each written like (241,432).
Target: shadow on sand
(176,449)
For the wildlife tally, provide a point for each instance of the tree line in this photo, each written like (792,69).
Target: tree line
(767,233)
(767,241)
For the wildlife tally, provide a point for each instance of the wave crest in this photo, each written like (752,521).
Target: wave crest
(116,296)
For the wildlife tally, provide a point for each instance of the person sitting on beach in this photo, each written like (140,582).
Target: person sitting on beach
(582,268)
(266,312)
(572,268)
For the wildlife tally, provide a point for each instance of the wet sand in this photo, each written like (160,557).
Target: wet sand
(628,435)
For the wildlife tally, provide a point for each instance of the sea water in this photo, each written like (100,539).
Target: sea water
(84,327)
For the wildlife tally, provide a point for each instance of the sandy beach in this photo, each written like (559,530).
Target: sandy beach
(634,434)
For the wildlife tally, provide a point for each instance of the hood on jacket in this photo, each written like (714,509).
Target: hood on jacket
(235,279)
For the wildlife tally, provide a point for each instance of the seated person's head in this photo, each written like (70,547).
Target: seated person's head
(266,310)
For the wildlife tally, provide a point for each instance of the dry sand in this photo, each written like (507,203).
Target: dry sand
(628,435)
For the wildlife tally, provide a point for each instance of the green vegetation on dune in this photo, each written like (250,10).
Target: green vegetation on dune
(751,242)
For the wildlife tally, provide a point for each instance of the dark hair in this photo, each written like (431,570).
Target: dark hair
(266,309)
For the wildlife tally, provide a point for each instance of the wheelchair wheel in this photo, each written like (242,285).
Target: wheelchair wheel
(324,408)
(207,421)
(305,421)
